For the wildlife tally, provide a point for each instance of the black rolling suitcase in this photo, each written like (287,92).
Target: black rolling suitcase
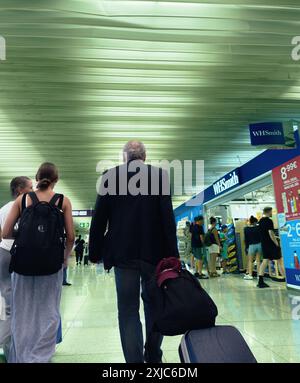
(219,344)
(86,260)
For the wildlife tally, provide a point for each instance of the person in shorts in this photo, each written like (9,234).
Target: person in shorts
(270,246)
(214,248)
(253,246)
(198,248)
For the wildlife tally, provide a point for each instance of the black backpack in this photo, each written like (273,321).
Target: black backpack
(180,305)
(39,245)
(209,238)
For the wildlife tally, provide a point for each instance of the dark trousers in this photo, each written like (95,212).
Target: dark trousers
(128,284)
(79,256)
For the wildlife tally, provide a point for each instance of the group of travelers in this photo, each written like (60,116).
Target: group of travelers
(261,245)
(37,238)
(206,247)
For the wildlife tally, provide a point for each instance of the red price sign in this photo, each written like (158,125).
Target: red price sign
(288,168)
(286,179)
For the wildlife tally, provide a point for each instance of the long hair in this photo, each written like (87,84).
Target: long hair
(46,175)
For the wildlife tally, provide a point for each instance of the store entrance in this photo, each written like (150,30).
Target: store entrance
(236,214)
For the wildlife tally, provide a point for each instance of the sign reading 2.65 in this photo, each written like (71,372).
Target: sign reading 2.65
(290,229)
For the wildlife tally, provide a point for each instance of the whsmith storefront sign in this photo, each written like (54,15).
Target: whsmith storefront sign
(229,181)
(273,135)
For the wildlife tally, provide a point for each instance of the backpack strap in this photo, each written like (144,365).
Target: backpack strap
(34,198)
(61,201)
(55,198)
(23,206)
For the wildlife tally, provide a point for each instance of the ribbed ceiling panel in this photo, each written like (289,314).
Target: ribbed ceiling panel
(186,77)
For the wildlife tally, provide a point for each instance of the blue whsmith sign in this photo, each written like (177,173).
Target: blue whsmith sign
(273,135)
(229,181)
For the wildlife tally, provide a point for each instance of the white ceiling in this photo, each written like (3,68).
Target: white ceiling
(186,77)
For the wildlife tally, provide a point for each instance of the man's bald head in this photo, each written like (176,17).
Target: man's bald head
(134,150)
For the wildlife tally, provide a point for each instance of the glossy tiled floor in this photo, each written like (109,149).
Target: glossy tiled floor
(90,327)
(264,317)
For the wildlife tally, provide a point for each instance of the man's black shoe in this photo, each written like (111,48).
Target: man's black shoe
(262,285)
(67,284)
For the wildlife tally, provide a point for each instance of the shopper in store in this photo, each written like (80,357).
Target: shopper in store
(18,186)
(36,293)
(198,248)
(214,248)
(270,246)
(141,232)
(224,248)
(252,236)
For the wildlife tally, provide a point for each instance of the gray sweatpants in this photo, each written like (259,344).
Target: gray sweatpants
(5,289)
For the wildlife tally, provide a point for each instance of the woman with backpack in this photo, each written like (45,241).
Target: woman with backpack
(214,247)
(40,250)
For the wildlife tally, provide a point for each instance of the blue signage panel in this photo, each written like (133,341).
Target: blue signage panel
(254,168)
(278,135)
(228,182)
(188,212)
(267,133)
(290,244)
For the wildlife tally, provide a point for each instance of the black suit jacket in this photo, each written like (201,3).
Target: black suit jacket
(129,227)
